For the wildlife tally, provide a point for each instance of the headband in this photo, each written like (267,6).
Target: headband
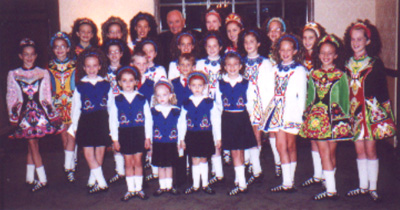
(363,26)
(26,41)
(115,42)
(233,53)
(183,34)
(85,21)
(60,35)
(141,16)
(251,31)
(149,41)
(199,75)
(213,35)
(279,20)
(128,68)
(314,27)
(330,38)
(165,83)
(289,37)
(233,17)
(214,12)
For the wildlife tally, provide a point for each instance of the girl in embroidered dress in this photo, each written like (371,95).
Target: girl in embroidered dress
(234,26)
(370,109)
(284,101)
(154,72)
(90,108)
(129,117)
(142,26)
(62,72)
(84,35)
(327,118)
(185,43)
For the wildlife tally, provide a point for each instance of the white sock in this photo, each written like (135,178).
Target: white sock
(76,153)
(119,163)
(363,173)
(162,184)
(277,158)
(154,170)
(41,174)
(317,164)
(69,159)
(204,174)
(255,161)
(286,175)
(98,174)
(293,166)
(239,172)
(168,182)
(30,173)
(330,181)
(130,182)
(217,162)
(196,176)
(138,183)
(92,179)
(247,156)
(373,170)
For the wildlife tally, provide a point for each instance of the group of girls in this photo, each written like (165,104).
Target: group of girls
(315,87)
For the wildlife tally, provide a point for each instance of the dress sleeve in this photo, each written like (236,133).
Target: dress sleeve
(161,73)
(148,122)
(173,71)
(45,95)
(113,121)
(218,98)
(182,124)
(216,123)
(301,89)
(75,112)
(13,98)
(251,98)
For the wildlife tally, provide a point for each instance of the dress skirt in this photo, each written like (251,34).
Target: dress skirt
(93,130)
(199,143)
(164,154)
(237,132)
(131,140)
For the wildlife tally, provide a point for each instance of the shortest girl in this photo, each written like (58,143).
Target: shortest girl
(165,118)
(203,125)
(129,117)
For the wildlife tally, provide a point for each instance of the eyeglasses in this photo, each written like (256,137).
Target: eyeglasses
(114,52)
(62,47)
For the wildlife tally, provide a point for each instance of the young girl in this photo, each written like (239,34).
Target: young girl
(202,130)
(285,105)
(154,72)
(114,28)
(31,110)
(213,20)
(235,96)
(371,113)
(146,86)
(84,35)
(142,26)
(185,43)
(128,118)
(275,28)
(90,104)
(234,26)
(186,64)
(327,118)
(62,72)
(166,134)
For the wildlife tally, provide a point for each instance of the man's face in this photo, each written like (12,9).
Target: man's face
(175,22)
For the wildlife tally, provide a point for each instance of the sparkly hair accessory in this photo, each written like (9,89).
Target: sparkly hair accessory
(85,21)
(115,42)
(26,41)
(363,26)
(214,12)
(128,68)
(60,35)
(149,41)
(197,75)
(165,83)
(314,27)
(233,17)
(178,39)
(329,38)
(278,19)
(289,37)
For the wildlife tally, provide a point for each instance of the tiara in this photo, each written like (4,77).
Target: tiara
(214,12)
(26,41)
(314,27)
(233,17)
(330,38)
(85,21)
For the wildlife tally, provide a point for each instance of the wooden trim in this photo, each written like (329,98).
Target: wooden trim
(310,10)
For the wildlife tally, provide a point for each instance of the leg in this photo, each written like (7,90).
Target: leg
(216,162)
(316,178)
(90,156)
(362,170)
(238,163)
(373,169)
(277,158)
(292,150)
(30,167)
(99,151)
(37,159)
(196,174)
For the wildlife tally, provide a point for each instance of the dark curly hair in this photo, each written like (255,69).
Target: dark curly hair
(129,70)
(150,20)
(155,44)
(123,47)
(339,61)
(208,35)
(91,52)
(322,33)
(298,57)
(232,55)
(256,32)
(375,45)
(75,28)
(114,20)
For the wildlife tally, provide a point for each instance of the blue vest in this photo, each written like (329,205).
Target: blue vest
(147,89)
(93,97)
(198,118)
(165,129)
(234,98)
(130,114)
(182,93)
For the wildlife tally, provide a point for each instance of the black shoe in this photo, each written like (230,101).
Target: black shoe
(142,195)
(38,186)
(278,170)
(173,191)
(98,189)
(33,183)
(227,159)
(255,179)
(209,190)
(326,196)
(191,190)
(116,178)
(282,188)
(150,177)
(71,176)
(216,180)
(127,196)
(357,192)
(374,196)
(158,192)
(311,181)
(237,191)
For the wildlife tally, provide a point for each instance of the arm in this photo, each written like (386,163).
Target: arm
(218,98)
(13,98)
(113,121)
(216,124)
(75,112)
(182,127)
(251,98)
(148,125)
(45,95)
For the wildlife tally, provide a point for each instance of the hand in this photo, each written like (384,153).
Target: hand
(116,146)
(183,145)
(218,144)
(147,144)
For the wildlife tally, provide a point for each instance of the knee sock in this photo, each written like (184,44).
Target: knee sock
(69,160)
(98,174)
(293,166)
(154,171)
(130,182)
(138,183)
(363,173)
(30,173)
(168,183)
(92,179)
(317,165)
(204,174)
(239,173)
(255,161)
(119,164)
(217,162)
(330,181)
(162,184)
(196,176)
(41,174)
(286,175)
(277,158)
(373,170)
(247,156)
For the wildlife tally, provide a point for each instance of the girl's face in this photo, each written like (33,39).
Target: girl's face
(213,47)
(327,55)
(287,51)
(114,32)
(185,67)
(163,95)
(233,30)
(141,63)
(142,28)
(127,82)
(232,67)
(186,44)
(60,49)
(359,42)
(251,45)
(212,23)
(28,56)
(309,39)
(150,52)
(197,86)
(274,31)
(92,67)
(114,54)
(85,33)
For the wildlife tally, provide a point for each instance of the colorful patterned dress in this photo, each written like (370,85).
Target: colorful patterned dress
(327,114)
(63,85)
(370,109)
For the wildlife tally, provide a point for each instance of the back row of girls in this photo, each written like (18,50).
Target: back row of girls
(224,104)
